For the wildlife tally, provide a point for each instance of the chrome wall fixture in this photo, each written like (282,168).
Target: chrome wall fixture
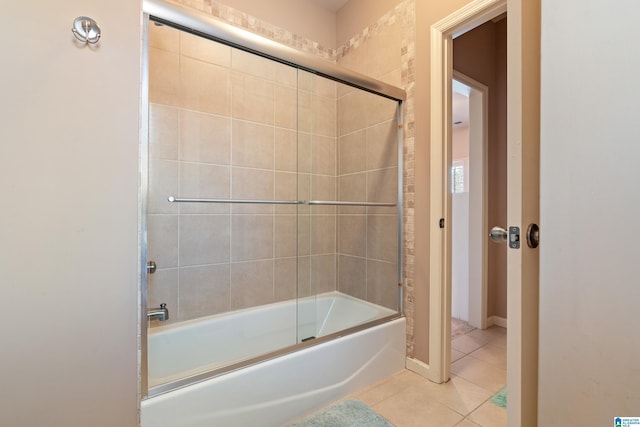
(86,30)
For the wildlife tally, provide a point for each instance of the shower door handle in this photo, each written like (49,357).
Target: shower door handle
(151,267)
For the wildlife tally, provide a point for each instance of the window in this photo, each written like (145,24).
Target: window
(459,176)
(457,179)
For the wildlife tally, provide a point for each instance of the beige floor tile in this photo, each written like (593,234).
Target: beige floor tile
(455,355)
(410,409)
(409,378)
(480,373)
(495,335)
(489,333)
(500,329)
(388,387)
(500,341)
(493,354)
(458,394)
(466,343)
(460,327)
(489,415)
(467,423)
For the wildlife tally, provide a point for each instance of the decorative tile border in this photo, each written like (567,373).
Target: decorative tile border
(248,22)
(409,83)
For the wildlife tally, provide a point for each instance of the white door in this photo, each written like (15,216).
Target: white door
(589,368)
(523,168)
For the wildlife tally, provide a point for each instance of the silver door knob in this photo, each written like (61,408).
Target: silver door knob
(498,234)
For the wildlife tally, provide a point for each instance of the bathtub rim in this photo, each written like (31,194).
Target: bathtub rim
(213,373)
(159,328)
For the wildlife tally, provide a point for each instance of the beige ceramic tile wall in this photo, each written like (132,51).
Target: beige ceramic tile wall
(233,135)
(222,125)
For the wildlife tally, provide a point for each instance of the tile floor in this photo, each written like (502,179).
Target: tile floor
(479,370)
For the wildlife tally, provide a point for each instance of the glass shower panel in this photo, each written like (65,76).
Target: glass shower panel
(316,178)
(222,226)
(367,193)
(348,228)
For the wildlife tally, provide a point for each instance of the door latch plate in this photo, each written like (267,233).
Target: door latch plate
(514,237)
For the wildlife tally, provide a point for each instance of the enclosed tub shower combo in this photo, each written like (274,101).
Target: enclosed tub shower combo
(270,228)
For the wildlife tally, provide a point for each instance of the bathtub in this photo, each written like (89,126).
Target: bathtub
(279,389)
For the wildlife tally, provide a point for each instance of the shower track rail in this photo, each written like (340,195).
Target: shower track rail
(173,199)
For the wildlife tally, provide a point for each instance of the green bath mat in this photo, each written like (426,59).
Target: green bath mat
(347,413)
(500,398)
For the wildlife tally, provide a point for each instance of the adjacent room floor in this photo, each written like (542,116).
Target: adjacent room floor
(479,371)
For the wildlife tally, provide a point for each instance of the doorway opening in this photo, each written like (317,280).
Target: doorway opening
(477,183)
(443,33)
(468,187)
(523,130)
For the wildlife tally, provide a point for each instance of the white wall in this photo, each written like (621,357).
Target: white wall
(590,204)
(460,256)
(460,224)
(69,191)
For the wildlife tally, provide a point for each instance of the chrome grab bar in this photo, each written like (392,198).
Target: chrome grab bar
(260,202)
(338,203)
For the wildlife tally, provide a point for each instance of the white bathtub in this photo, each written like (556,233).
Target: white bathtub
(278,390)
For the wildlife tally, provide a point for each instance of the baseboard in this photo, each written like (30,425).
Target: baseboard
(417,366)
(497,320)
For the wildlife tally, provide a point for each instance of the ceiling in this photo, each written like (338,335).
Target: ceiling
(332,5)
